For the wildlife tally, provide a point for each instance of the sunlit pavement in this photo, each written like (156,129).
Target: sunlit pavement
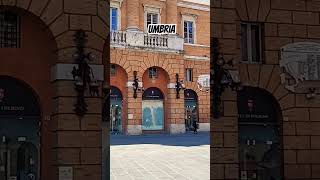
(165,157)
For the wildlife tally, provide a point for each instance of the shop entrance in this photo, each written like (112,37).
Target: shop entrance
(152,110)
(260,144)
(116,110)
(191,109)
(19,131)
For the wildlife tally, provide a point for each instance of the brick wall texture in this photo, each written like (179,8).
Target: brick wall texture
(285,21)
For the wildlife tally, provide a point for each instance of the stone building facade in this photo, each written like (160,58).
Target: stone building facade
(157,60)
(268,31)
(41,134)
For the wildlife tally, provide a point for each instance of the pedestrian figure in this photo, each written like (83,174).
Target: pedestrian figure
(195,127)
(194,121)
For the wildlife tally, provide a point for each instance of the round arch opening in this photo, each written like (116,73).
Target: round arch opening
(152,110)
(260,142)
(191,109)
(116,110)
(19,129)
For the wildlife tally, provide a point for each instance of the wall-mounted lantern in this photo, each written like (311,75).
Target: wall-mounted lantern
(83,74)
(135,85)
(222,78)
(179,86)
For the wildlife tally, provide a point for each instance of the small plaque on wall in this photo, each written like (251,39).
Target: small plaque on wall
(65,173)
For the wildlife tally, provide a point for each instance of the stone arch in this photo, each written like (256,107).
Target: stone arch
(257,106)
(160,79)
(267,77)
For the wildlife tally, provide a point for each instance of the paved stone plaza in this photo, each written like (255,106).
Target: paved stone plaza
(165,157)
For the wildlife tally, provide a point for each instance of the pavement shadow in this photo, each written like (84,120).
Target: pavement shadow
(187,139)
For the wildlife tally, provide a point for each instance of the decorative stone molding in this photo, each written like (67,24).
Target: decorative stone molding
(196,58)
(130,84)
(193,5)
(63,72)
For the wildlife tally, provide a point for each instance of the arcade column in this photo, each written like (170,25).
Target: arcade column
(134,115)
(176,116)
(77,140)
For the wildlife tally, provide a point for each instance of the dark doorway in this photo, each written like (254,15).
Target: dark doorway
(19,131)
(191,109)
(116,109)
(260,143)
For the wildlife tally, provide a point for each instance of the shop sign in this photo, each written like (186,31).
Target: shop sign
(16,99)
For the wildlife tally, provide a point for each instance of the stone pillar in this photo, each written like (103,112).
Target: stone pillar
(134,112)
(133,15)
(172,12)
(176,117)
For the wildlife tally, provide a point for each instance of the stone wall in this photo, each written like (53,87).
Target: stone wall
(285,21)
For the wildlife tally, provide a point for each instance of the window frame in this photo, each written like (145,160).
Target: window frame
(116,4)
(150,9)
(193,19)
(153,76)
(191,74)
(249,59)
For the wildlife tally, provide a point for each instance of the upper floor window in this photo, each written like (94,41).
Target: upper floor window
(189,75)
(153,73)
(189,28)
(251,42)
(152,18)
(151,15)
(114,18)
(9,30)
(188,32)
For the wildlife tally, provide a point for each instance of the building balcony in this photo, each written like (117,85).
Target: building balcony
(141,40)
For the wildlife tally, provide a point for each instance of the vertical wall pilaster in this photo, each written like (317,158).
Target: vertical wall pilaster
(133,15)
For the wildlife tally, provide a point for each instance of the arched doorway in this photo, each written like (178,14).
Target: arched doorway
(191,108)
(19,131)
(152,110)
(260,142)
(116,108)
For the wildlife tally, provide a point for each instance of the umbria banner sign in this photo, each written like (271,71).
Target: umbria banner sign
(162,29)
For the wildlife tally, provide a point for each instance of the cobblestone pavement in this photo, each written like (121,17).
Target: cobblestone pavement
(165,157)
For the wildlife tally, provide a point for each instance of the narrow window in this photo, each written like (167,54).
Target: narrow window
(114,18)
(113,70)
(189,75)
(251,42)
(152,18)
(9,30)
(153,73)
(188,32)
